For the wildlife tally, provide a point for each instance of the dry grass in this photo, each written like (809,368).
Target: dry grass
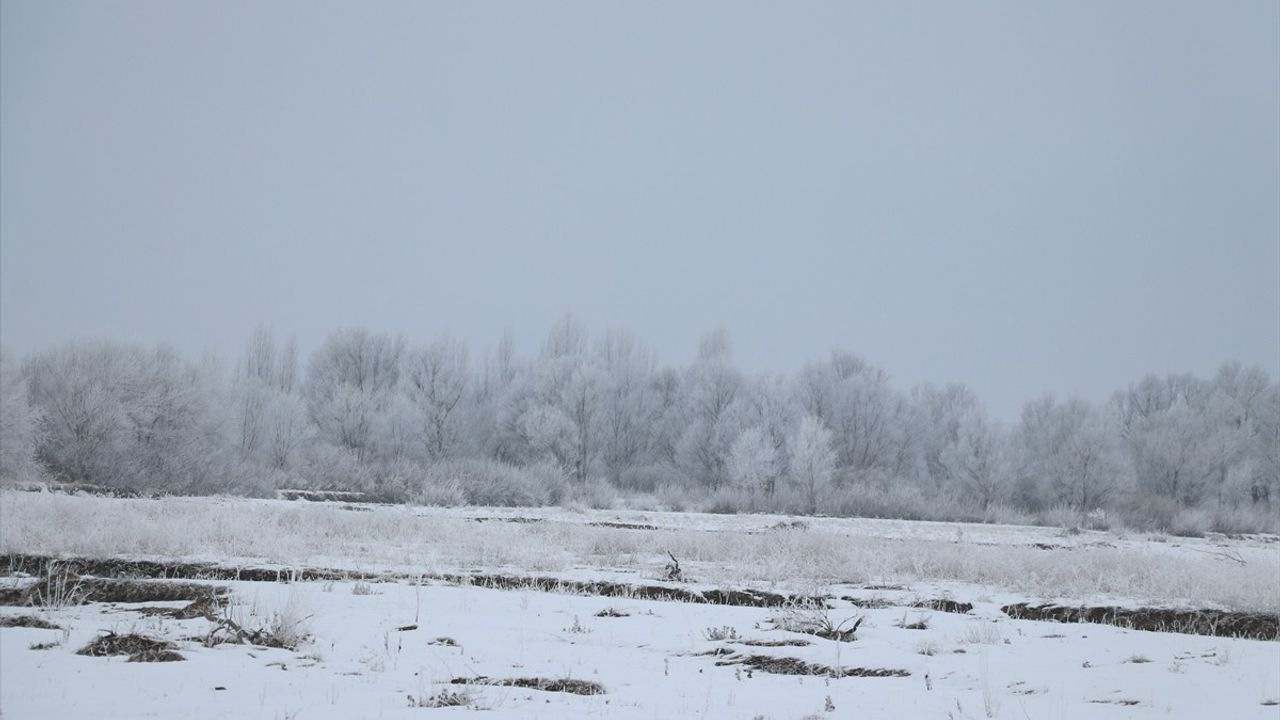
(717,634)
(981,632)
(298,533)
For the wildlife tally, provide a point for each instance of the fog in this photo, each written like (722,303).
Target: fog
(1025,199)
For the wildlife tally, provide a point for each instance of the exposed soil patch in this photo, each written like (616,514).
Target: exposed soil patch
(796,666)
(789,642)
(943,605)
(83,489)
(742,598)
(517,520)
(612,613)
(149,569)
(1218,623)
(566,685)
(27,621)
(206,607)
(793,525)
(139,648)
(87,590)
(623,525)
(116,568)
(867,603)
(329,496)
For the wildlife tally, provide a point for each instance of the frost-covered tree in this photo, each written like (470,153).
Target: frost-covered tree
(869,422)
(629,411)
(551,411)
(976,460)
(18,424)
(579,401)
(435,381)
(712,413)
(753,461)
(1265,483)
(811,460)
(1070,451)
(127,416)
(1231,411)
(939,412)
(352,380)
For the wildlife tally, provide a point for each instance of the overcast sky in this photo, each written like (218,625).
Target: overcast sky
(1028,197)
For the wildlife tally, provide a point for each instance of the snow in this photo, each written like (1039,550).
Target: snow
(357,665)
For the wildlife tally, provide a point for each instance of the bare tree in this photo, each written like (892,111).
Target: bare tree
(19,424)
(436,381)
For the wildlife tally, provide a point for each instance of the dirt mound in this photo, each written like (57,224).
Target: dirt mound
(139,648)
(795,666)
(1219,623)
(27,621)
(566,685)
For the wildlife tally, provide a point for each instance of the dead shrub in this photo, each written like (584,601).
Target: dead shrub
(139,648)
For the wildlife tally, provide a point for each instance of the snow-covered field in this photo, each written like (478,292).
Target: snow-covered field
(651,661)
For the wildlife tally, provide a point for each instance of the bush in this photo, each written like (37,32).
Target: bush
(550,476)
(439,491)
(1150,513)
(488,482)
(596,494)
(1062,516)
(729,501)
(647,478)
(897,501)
(1191,522)
(1244,519)
(325,467)
(673,497)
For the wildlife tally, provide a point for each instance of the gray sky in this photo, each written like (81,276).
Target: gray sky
(1027,197)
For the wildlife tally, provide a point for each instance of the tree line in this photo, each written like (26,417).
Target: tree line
(587,419)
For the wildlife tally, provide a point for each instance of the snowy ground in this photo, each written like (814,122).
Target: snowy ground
(357,664)
(768,551)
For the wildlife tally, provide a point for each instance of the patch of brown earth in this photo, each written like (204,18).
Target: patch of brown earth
(1218,623)
(566,685)
(789,642)
(796,666)
(622,525)
(117,568)
(97,590)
